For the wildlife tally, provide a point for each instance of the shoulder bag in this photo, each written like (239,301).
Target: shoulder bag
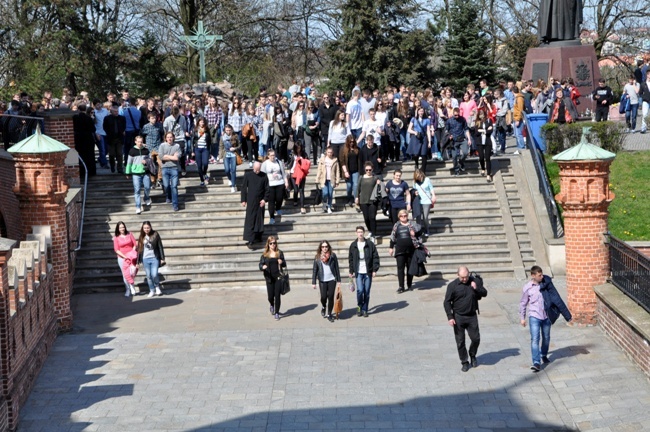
(283,280)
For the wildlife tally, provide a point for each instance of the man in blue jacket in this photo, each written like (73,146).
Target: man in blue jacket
(544,307)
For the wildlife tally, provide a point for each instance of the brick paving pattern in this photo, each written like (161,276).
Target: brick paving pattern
(215,360)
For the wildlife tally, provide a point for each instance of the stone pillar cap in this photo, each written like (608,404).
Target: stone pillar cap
(584,151)
(38,143)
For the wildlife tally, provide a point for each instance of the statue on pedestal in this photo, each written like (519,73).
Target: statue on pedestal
(559,20)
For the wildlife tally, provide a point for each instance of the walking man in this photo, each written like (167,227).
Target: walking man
(364,264)
(544,307)
(136,167)
(170,153)
(461,307)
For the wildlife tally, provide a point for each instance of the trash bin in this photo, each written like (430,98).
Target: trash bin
(535,123)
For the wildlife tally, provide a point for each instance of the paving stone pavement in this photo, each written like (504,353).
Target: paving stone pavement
(215,360)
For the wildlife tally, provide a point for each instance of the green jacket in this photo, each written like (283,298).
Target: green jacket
(134,163)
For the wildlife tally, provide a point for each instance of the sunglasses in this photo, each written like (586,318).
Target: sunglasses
(403,216)
(369,170)
(272,243)
(324,247)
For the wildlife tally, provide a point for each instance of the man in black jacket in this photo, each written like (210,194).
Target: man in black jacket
(603,97)
(83,127)
(363,261)
(115,126)
(461,306)
(326,113)
(371,153)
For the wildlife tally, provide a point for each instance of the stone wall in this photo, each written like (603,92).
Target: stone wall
(626,323)
(28,324)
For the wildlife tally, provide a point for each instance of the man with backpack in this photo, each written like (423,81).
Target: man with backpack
(461,307)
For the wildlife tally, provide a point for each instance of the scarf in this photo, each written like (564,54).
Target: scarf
(556,111)
(325,256)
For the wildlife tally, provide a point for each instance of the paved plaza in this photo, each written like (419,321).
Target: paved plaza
(215,360)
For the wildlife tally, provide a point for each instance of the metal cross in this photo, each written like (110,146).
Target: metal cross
(201,41)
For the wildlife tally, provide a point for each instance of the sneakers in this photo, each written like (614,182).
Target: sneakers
(132,289)
(473,362)
(400,290)
(229,182)
(183,173)
(127,293)
(151,294)
(158,292)
(329,210)
(516,152)
(272,309)
(365,314)
(279,212)
(138,210)
(202,183)
(465,367)
(322,312)
(250,164)
(545,360)
(535,367)
(168,201)
(277,317)
(330,318)
(147,203)
(175,209)
(359,313)
(233,189)
(272,221)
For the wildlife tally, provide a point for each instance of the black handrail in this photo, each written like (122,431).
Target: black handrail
(544,183)
(630,271)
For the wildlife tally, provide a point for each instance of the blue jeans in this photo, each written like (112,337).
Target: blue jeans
(151,270)
(351,185)
(202,159)
(356,133)
(519,134)
(170,183)
(101,146)
(501,139)
(403,143)
(364,281)
(138,182)
(230,167)
(630,116)
(536,325)
(327,191)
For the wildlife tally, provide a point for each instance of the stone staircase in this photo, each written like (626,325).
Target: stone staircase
(475,223)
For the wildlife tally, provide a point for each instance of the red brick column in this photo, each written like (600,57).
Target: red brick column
(585,197)
(41,190)
(6,382)
(58,125)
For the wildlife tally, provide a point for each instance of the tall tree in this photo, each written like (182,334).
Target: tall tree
(148,75)
(380,46)
(466,57)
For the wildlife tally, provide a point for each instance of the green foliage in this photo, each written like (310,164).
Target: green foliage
(629,212)
(379,48)
(607,135)
(516,47)
(466,56)
(148,76)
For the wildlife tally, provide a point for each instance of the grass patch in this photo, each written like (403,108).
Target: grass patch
(629,213)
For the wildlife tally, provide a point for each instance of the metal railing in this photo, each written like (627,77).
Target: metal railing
(630,271)
(15,128)
(544,184)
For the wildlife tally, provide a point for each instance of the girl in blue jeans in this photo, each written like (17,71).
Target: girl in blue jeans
(231,145)
(328,177)
(152,256)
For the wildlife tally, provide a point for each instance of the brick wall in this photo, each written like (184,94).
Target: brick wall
(58,125)
(616,324)
(28,326)
(9,211)
(644,250)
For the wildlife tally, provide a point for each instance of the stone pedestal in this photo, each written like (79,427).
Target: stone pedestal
(576,61)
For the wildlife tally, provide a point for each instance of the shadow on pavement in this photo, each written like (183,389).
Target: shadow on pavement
(492,358)
(299,310)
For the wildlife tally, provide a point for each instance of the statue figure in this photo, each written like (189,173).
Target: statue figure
(559,20)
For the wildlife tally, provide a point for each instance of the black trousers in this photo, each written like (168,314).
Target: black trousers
(602,112)
(484,156)
(416,158)
(370,217)
(273,291)
(469,323)
(298,191)
(327,290)
(252,148)
(393,214)
(403,264)
(276,194)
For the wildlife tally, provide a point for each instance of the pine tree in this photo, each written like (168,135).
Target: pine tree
(466,54)
(379,47)
(148,74)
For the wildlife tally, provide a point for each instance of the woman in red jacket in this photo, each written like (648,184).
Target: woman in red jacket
(299,171)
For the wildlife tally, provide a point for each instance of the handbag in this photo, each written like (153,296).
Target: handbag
(238,159)
(338,301)
(283,280)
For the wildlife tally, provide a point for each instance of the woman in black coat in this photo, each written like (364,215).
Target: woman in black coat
(272,263)
(326,270)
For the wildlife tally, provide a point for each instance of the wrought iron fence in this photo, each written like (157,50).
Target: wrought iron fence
(630,271)
(544,184)
(15,128)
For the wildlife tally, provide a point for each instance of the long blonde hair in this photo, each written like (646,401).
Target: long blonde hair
(267,248)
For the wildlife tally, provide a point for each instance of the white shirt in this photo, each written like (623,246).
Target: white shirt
(632,90)
(362,257)
(274,172)
(337,134)
(373,127)
(355,111)
(366,105)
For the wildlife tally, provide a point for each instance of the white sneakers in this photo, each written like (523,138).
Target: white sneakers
(229,182)
(233,189)
(151,294)
(132,288)
(147,203)
(138,210)
(158,292)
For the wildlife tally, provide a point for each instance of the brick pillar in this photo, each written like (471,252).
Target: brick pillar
(41,190)
(58,125)
(585,196)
